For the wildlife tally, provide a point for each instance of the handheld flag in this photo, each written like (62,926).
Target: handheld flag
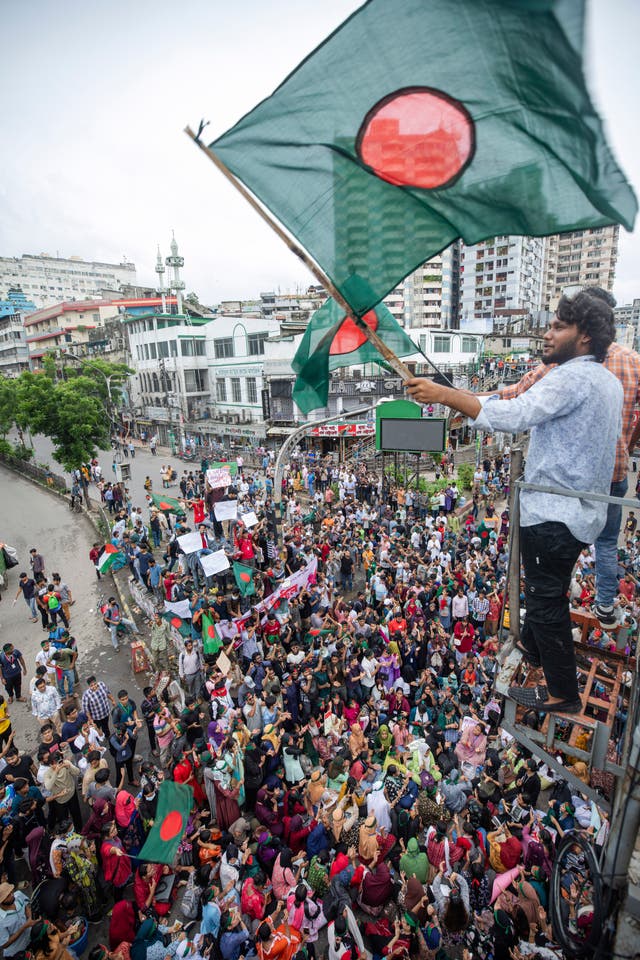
(334,340)
(211,642)
(111,558)
(417,122)
(182,626)
(167,504)
(483,533)
(244,578)
(175,801)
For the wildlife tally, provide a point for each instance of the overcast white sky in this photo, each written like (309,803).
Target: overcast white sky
(96,95)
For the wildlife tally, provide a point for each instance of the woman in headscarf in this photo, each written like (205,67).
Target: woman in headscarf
(377,887)
(147,880)
(277,943)
(336,774)
(306,916)
(47,943)
(122,925)
(315,789)
(185,772)
(267,811)
(116,865)
(385,739)
(378,805)
(149,942)
(453,913)
(357,741)
(283,877)
(102,813)
(226,790)
(129,823)
(344,828)
(472,746)
(253,899)
(415,863)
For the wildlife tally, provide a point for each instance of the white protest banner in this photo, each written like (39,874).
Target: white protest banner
(215,562)
(180,608)
(289,588)
(249,519)
(190,542)
(219,477)
(226,509)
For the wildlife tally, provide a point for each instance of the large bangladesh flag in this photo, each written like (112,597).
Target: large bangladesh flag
(175,801)
(334,340)
(211,641)
(167,504)
(420,121)
(244,578)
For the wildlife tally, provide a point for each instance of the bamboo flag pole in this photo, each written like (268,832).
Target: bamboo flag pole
(400,368)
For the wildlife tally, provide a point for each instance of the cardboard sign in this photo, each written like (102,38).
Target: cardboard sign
(219,477)
(213,563)
(249,519)
(190,542)
(226,509)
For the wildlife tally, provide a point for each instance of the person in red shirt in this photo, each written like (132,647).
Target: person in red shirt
(627,586)
(271,629)
(397,624)
(198,507)
(463,637)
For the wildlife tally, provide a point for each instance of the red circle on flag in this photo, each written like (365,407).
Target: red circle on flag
(211,630)
(349,336)
(245,577)
(171,825)
(176,622)
(165,506)
(417,137)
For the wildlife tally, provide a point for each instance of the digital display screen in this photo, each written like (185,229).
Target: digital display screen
(412,435)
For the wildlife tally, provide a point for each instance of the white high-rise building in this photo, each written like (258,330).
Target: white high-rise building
(500,275)
(428,297)
(583,258)
(49,280)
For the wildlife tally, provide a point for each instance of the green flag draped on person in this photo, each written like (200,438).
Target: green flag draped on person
(244,578)
(111,558)
(420,121)
(175,801)
(211,642)
(334,340)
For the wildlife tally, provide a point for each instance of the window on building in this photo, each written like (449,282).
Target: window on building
(173,348)
(221,391)
(223,348)
(146,351)
(163,349)
(468,345)
(441,344)
(236,390)
(252,390)
(192,348)
(195,381)
(256,344)
(153,351)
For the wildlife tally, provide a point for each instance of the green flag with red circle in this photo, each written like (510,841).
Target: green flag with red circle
(211,640)
(167,504)
(244,579)
(175,801)
(332,340)
(182,626)
(418,122)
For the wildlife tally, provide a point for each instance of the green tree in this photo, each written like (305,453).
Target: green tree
(80,426)
(7,404)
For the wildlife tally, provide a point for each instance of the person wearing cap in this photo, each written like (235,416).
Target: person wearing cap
(15,920)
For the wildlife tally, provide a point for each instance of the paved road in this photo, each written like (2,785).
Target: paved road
(35,518)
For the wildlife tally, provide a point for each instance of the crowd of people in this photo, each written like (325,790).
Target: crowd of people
(354,794)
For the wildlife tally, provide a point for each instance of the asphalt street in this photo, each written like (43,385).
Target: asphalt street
(33,517)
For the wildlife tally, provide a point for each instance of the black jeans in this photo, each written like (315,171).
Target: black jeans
(549,552)
(13,685)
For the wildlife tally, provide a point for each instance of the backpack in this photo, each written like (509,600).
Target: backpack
(53,601)
(191,899)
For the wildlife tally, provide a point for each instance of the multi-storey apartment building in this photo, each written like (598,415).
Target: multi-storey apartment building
(500,275)
(48,280)
(579,259)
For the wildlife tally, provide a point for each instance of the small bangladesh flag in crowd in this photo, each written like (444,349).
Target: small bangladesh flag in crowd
(182,626)
(211,641)
(244,579)
(175,801)
(420,121)
(166,504)
(110,558)
(483,533)
(334,340)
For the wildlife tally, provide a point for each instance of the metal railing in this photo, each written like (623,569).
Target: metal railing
(45,477)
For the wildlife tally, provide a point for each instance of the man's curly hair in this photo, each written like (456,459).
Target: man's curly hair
(591,314)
